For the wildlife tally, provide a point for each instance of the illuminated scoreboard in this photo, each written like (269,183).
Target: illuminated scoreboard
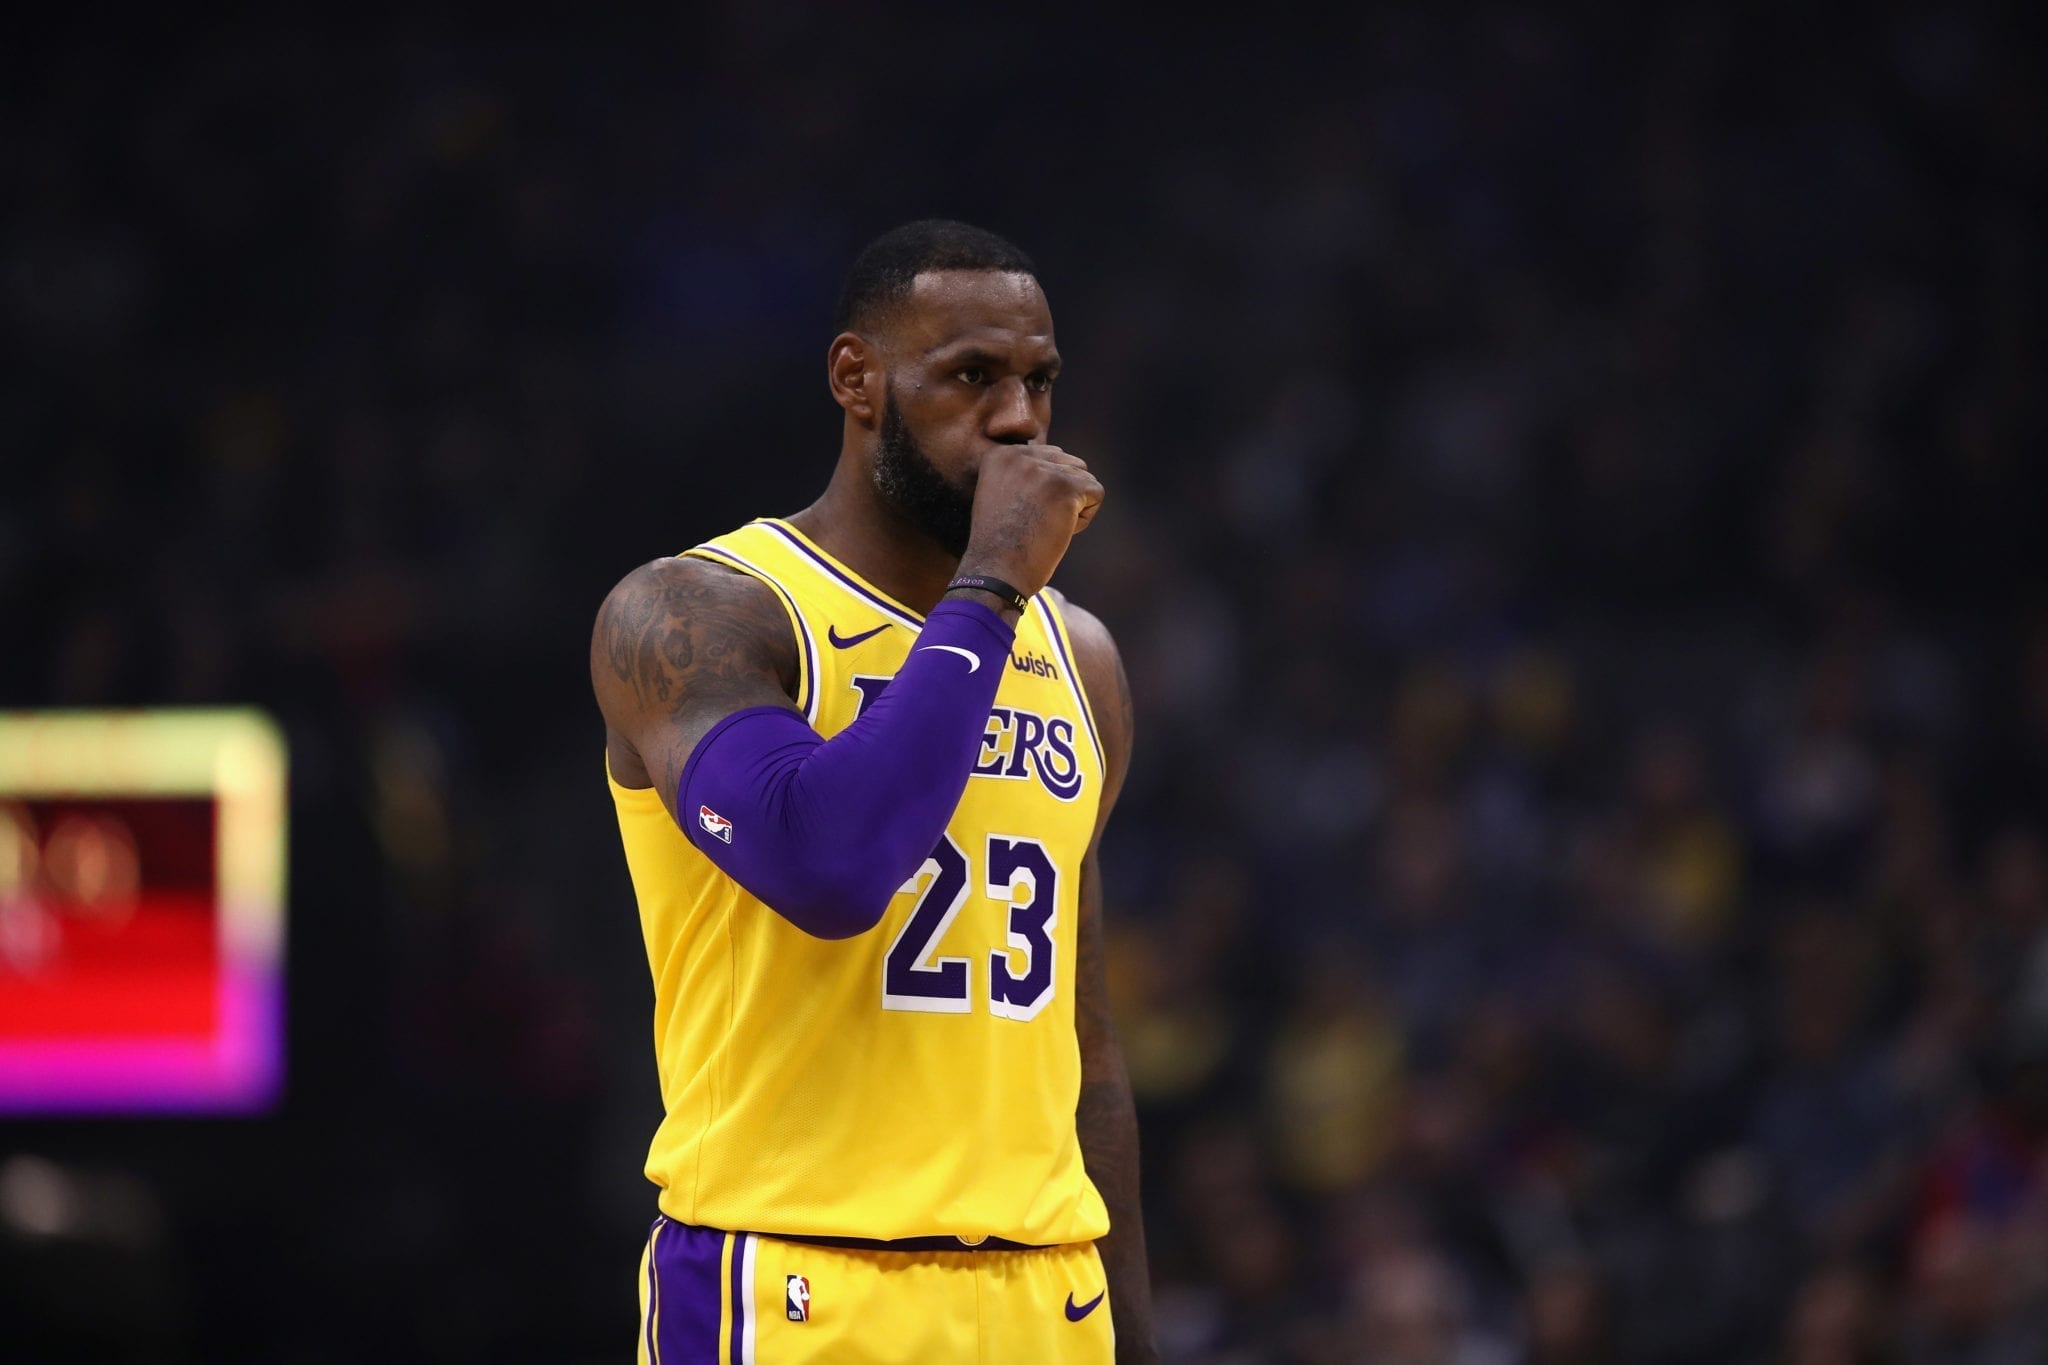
(142,873)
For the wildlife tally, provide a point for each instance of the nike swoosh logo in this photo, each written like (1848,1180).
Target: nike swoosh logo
(832,634)
(1076,1312)
(973,662)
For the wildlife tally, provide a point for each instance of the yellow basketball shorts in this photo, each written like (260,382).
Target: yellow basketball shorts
(737,1298)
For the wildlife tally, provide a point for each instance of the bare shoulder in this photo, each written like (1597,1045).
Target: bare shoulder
(679,643)
(1102,675)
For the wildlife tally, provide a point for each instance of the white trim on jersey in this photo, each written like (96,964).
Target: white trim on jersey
(815,662)
(1054,626)
(746,1304)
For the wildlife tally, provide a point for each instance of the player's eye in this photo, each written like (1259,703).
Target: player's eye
(1040,382)
(972,374)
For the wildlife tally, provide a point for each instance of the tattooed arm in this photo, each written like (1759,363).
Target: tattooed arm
(680,644)
(1105,1118)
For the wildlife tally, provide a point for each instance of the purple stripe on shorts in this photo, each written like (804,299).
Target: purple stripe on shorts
(653,1291)
(683,1275)
(740,1306)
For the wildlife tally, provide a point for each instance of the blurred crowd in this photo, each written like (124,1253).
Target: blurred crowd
(1575,485)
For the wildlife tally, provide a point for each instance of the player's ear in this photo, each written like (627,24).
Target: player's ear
(853,369)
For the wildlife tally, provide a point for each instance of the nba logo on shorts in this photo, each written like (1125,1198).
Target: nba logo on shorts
(797,1295)
(714,823)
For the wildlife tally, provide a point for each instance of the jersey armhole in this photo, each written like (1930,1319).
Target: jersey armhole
(1056,626)
(806,648)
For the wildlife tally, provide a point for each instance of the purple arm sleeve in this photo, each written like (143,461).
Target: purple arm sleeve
(826,831)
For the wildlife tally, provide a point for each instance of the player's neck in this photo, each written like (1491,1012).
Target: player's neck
(853,526)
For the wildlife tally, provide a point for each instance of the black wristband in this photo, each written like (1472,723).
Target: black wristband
(983,583)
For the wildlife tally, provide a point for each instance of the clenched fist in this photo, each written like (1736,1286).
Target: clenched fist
(1029,502)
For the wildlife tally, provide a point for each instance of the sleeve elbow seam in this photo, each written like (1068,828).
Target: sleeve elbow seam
(829,917)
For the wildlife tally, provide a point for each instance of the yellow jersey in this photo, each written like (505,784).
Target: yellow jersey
(919,1079)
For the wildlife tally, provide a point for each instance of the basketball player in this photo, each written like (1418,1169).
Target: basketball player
(862,758)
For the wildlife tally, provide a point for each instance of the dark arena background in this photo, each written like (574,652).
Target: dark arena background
(1577,491)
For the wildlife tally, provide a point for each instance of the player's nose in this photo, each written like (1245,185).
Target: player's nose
(1013,419)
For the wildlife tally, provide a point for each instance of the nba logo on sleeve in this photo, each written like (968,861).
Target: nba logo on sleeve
(797,1295)
(714,824)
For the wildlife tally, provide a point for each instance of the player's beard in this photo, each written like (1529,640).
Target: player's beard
(912,487)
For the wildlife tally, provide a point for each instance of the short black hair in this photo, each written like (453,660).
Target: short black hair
(886,268)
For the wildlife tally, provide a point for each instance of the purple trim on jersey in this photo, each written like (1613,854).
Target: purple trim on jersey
(895,609)
(1059,642)
(807,698)
(682,1272)
(740,1307)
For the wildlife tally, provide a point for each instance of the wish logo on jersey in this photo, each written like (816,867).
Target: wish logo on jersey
(1035,664)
